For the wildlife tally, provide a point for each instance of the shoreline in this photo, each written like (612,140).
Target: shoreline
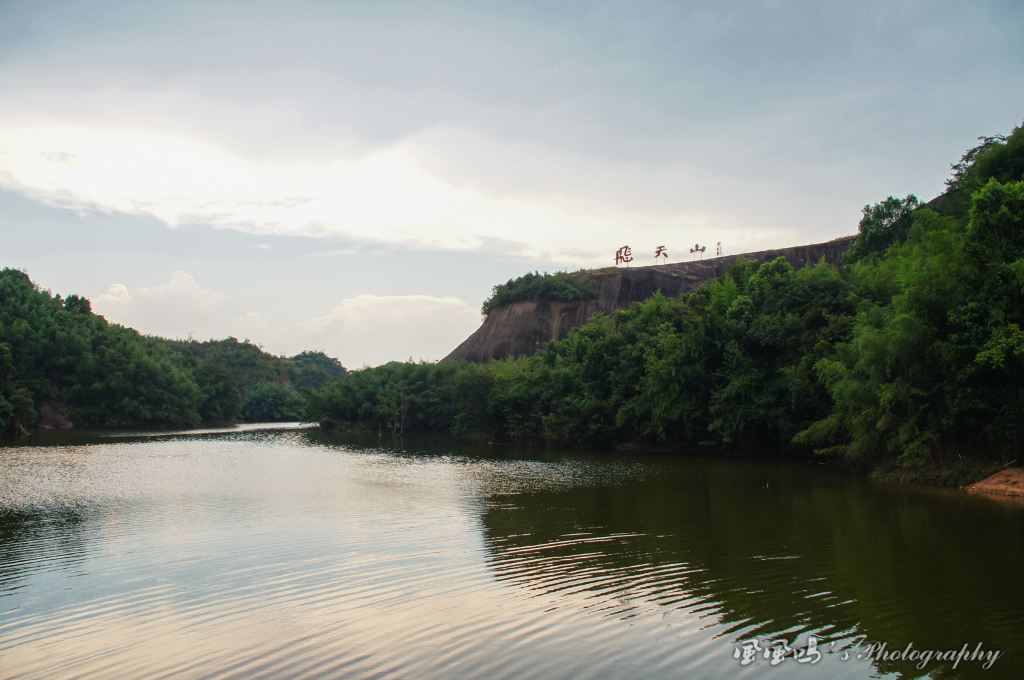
(959,476)
(1007,483)
(991,480)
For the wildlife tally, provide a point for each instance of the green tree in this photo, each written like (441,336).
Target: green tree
(272,402)
(559,286)
(882,225)
(221,401)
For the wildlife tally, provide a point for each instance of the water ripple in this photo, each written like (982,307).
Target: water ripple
(270,553)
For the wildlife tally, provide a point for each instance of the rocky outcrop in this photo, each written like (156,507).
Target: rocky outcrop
(523,327)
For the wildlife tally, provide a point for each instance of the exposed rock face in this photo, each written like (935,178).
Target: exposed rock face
(523,327)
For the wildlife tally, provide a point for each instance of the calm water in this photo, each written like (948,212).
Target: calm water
(281,552)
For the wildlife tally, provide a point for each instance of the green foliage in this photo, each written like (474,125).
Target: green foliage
(221,400)
(309,371)
(933,369)
(997,157)
(559,286)
(397,397)
(271,402)
(101,373)
(717,367)
(248,363)
(963,170)
(251,372)
(882,225)
(17,414)
(994,229)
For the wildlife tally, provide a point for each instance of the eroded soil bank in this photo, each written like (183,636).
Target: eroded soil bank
(1006,482)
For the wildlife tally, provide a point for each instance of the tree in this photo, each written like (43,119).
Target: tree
(222,402)
(272,402)
(17,412)
(881,225)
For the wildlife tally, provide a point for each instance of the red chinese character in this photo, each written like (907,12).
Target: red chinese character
(623,255)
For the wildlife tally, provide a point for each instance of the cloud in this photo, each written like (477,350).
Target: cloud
(665,124)
(117,294)
(360,330)
(369,330)
(375,329)
(182,287)
(402,195)
(178,308)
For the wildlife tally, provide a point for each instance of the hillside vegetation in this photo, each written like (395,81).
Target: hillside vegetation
(61,363)
(909,355)
(560,286)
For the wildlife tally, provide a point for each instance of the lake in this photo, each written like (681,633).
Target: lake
(280,551)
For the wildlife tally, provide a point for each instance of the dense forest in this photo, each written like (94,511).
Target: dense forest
(910,355)
(60,364)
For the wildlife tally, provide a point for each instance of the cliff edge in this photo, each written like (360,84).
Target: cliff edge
(523,327)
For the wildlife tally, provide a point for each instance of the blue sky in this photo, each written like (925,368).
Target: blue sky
(354,177)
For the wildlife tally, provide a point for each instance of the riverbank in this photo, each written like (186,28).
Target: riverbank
(952,475)
(1008,482)
(958,474)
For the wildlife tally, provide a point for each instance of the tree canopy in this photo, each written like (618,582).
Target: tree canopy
(560,286)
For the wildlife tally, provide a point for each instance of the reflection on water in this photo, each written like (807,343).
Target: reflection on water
(282,552)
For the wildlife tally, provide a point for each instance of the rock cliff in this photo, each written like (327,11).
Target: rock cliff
(523,327)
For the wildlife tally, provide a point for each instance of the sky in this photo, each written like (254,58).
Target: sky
(355,177)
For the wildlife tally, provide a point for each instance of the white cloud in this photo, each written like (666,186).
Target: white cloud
(368,330)
(249,324)
(178,308)
(182,287)
(117,294)
(374,329)
(396,195)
